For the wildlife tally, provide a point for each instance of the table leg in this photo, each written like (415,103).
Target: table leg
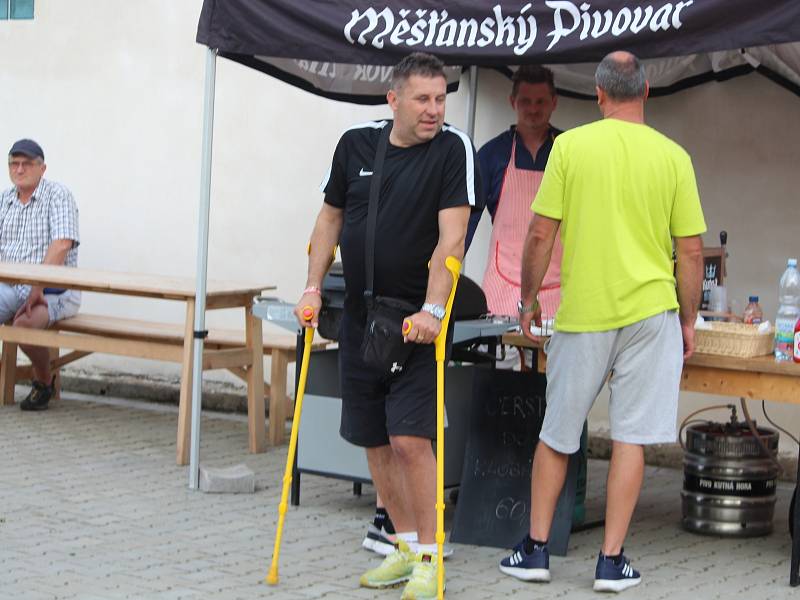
(295,497)
(56,371)
(255,383)
(794,577)
(8,373)
(185,402)
(277,397)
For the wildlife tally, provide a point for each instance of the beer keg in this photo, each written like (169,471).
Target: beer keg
(729,481)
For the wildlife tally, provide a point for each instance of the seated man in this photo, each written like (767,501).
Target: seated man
(38,224)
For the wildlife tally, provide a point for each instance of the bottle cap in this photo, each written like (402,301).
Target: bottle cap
(792,262)
(753,299)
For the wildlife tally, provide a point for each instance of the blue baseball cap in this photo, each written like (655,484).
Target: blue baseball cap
(28,148)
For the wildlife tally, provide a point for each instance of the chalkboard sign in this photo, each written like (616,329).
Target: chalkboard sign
(493,506)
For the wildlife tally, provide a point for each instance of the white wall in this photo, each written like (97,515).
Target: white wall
(113,92)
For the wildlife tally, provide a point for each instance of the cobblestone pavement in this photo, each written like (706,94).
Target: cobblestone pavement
(93,507)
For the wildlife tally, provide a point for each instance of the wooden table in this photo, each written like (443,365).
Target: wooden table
(219,294)
(758,378)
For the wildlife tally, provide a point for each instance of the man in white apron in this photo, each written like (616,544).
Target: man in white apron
(512,165)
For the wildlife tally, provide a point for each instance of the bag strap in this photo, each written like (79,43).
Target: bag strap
(372,210)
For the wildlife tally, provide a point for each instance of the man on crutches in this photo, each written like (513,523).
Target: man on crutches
(397,197)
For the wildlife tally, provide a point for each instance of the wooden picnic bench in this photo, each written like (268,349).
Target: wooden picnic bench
(237,351)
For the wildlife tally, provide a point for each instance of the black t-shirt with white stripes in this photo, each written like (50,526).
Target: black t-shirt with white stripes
(417,183)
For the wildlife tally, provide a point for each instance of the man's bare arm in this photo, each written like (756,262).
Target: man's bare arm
(324,239)
(689,252)
(689,277)
(57,252)
(452,232)
(536,253)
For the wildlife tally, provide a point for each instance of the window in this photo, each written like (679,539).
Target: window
(16,9)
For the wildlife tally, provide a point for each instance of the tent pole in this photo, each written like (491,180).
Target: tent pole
(202,266)
(472,101)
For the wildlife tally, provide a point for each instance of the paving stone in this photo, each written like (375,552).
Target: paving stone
(238,479)
(92,506)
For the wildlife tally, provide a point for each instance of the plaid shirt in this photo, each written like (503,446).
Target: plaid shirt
(27,230)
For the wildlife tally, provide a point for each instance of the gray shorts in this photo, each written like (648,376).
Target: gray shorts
(59,306)
(642,362)
(63,306)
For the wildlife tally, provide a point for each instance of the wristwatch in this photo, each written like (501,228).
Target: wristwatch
(437,310)
(527,309)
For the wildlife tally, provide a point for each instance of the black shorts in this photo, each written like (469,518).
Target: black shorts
(376,406)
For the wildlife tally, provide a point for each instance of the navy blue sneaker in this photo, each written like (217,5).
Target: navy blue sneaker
(615,577)
(528,567)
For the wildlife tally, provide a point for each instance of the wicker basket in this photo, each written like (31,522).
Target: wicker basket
(733,339)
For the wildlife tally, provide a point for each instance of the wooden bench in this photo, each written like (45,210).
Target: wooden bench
(160,341)
(116,340)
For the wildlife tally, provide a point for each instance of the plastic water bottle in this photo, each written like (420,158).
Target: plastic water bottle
(753,315)
(788,311)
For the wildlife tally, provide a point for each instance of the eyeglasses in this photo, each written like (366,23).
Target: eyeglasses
(24,164)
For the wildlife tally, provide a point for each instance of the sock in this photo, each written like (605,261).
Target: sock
(410,538)
(431,549)
(388,526)
(531,544)
(380,517)
(617,558)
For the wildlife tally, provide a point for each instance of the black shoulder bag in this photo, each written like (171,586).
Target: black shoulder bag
(383,347)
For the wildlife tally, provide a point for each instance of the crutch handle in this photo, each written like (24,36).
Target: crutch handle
(454,267)
(407,326)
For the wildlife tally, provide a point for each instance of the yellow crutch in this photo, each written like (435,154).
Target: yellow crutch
(454,266)
(272,576)
(440,343)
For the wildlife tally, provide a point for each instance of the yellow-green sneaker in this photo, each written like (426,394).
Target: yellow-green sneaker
(423,582)
(395,569)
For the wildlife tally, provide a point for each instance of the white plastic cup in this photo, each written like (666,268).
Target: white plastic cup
(718,299)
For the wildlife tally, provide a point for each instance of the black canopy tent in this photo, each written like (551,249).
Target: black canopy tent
(344,49)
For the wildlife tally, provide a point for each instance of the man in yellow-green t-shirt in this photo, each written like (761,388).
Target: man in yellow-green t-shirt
(622,194)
